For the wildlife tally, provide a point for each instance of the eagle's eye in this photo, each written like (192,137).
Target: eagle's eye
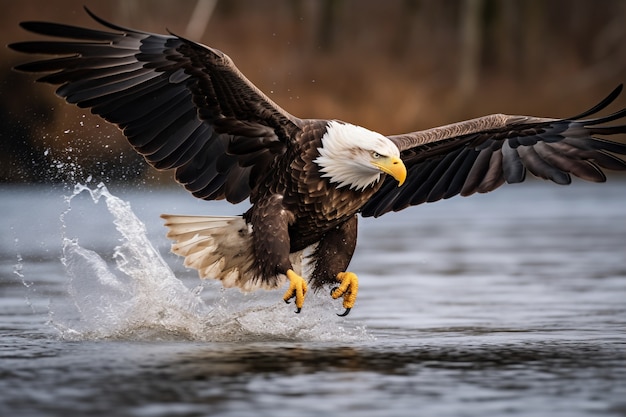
(375,155)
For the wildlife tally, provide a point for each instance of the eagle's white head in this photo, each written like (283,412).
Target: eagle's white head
(352,156)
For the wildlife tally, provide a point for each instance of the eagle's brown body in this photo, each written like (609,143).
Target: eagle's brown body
(291,205)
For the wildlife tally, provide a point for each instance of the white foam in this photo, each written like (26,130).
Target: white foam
(138,296)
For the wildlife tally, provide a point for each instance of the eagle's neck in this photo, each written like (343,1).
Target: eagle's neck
(339,157)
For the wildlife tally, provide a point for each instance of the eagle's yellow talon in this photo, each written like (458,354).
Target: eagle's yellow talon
(348,288)
(297,288)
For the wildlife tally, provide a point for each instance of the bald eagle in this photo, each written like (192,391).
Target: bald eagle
(186,107)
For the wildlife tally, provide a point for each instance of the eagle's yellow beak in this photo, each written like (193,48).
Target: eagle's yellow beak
(393,166)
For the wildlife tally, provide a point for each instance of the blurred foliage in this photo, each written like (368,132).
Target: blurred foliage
(392,66)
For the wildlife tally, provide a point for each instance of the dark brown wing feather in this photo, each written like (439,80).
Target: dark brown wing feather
(182,105)
(481,154)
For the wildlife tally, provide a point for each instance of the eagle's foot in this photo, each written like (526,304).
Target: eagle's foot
(348,288)
(297,289)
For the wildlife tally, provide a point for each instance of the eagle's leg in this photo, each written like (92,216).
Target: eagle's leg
(297,289)
(269,218)
(332,257)
(348,288)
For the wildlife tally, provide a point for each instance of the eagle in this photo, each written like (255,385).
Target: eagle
(186,107)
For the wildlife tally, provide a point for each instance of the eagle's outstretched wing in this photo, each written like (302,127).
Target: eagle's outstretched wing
(481,154)
(182,105)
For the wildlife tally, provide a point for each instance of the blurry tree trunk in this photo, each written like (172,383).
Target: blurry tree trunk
(199,19)
(326,28)
(532,39)
(402,41)
(507,40)
(471,48)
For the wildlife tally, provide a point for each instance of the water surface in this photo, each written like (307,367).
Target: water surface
(511,303)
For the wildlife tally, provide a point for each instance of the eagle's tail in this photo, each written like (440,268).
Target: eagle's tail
(220,247)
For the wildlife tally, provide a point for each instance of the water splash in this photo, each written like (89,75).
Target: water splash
(18,270)
(138,296)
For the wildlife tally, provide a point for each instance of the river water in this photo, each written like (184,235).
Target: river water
(506,304)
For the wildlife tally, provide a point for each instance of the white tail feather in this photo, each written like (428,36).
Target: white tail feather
(220,247)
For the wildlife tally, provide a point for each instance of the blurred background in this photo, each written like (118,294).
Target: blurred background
(392,66)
